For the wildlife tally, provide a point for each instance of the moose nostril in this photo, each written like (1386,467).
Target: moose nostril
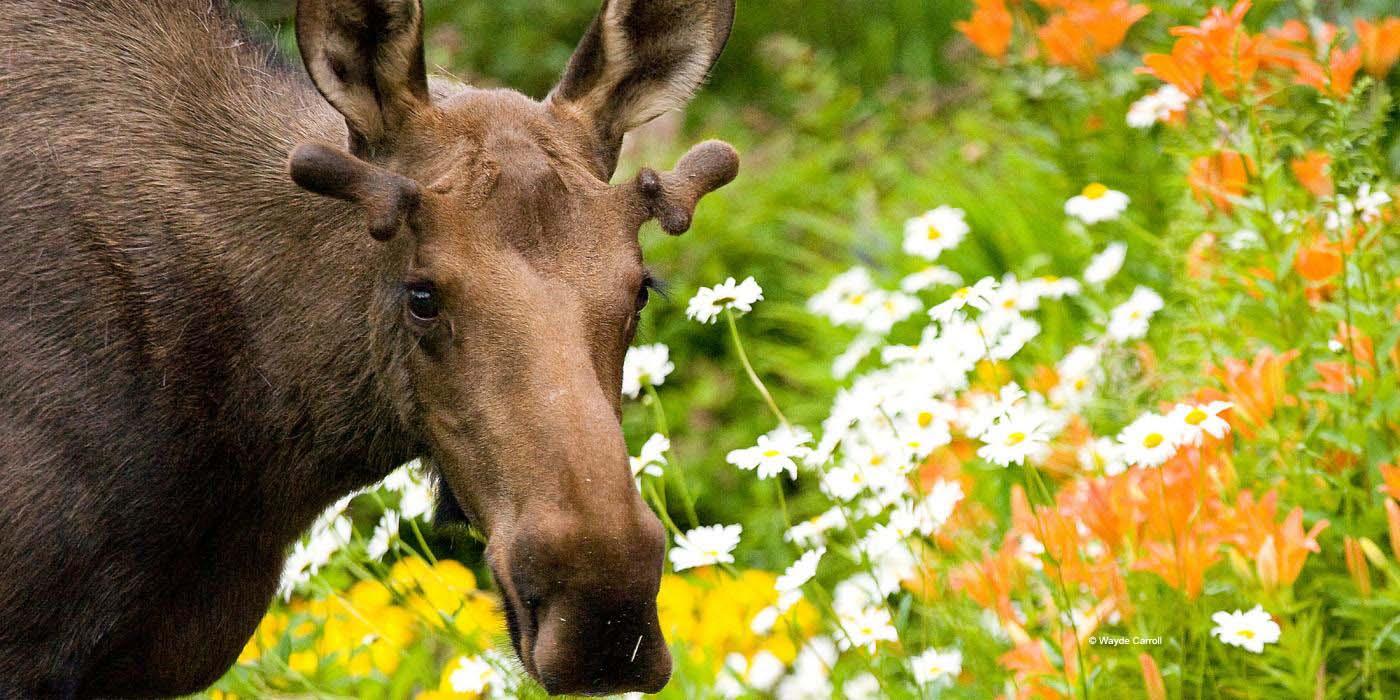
(594,655)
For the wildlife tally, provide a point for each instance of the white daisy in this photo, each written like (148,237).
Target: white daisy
(471,674)
(1150,440)
(1097,203)
(935,231)
(1102,455)
(930,276)
(765,620)
(1244,239)
(977,296)
(1013,439)
(741,674)
(1193,422)
(862,687)
(800,572)
(887,309)
(846,299)
(653,456)
(645,365)
(811,671)
(934,665)
(708,302)
(813,532)
(844,482)
(1249,630)
(937,506)
(1158,106)
(777,452)
(1366,206)
(1051,287)
(866,628)
(1106,264)
(703,546)
(383,535)
(846,362)
(1079,373)
(1129,321)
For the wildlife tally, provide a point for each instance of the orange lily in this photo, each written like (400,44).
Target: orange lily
(1153,685)
(989,28)
(1356,565)
(1311,170)
(1319,261)
(1220,178)
(1390,474)
(1219,49)
(1256,388)
(1280,557)
(1380,45)
(1087,31)
(1392,519)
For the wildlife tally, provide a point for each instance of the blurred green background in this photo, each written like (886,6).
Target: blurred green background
(524,44)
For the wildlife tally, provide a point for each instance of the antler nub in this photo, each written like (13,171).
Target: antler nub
(671,197)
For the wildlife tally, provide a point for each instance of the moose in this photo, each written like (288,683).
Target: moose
(234,289)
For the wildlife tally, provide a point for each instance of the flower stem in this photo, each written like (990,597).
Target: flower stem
(748,368)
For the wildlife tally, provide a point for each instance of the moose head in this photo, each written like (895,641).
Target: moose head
(511,287)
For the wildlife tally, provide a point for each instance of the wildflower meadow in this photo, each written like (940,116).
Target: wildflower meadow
(1070,369)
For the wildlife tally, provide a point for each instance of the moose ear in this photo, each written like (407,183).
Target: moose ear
(366,58)
(389,199)
(639,59)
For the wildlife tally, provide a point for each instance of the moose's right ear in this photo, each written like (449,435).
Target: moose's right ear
(389,199)
(639,59)
(366,58)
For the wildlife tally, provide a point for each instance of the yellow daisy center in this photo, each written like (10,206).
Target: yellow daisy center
(1094,190)
(1015,439)
(925,419)
(771,453)
(1153,440)
(962,293)
(1247,634)
(1080,383)
(1195,417)
(857,298)
(933,233)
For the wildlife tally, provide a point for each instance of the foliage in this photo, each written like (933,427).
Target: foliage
(1060,489)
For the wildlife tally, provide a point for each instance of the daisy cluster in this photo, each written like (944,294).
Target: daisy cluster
(905,401)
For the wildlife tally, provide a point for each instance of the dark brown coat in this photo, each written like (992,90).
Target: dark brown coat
(197,355)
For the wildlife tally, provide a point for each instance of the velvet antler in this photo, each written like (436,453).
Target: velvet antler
(670,197)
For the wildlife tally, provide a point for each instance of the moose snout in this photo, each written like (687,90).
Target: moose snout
(581,594)
(601,647)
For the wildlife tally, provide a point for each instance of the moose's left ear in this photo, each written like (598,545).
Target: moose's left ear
(639,59)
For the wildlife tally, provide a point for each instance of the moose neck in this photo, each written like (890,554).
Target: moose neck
(295,390)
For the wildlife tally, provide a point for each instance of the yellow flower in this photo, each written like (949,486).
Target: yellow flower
(303,662)
(369,595)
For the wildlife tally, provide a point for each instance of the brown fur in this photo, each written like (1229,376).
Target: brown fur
(197,355)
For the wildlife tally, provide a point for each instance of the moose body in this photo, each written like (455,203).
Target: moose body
(199,352)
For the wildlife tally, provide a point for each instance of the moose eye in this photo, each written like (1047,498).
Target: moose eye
(644,293)
(422,301)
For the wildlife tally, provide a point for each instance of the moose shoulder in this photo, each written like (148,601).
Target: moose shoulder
(232,291)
